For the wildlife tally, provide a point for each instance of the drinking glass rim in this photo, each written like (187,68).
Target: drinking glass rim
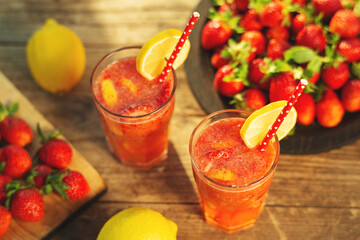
(116,114)
(233,187)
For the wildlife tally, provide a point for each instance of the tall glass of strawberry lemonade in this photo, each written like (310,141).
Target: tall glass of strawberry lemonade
(135,112)
(232,180)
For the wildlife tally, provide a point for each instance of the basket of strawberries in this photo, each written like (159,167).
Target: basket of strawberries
(247,53)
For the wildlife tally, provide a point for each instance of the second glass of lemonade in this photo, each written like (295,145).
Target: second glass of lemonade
(134,112)
(232,180)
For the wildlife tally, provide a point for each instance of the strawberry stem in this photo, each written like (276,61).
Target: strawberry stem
(52,135)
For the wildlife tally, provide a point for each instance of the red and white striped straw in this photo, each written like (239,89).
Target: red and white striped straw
(284,112)
(189,26)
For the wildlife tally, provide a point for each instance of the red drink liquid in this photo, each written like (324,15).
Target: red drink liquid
(232,179)
(135,112)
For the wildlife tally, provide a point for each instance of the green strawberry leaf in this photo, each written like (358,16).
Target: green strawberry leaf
(46,189)
(258,5)
(299,54)
(52,135)
(13,108)
(355,69)
(357,8)
(3,112)
(311,88)
(2,165)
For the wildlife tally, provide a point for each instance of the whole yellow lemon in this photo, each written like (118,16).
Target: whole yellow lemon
(138,223)
(56,57)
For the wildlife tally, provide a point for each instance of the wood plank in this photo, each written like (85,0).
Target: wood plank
(57,209)
(274,223)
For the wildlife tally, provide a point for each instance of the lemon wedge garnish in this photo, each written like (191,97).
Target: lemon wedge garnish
(257,125)
(151,59)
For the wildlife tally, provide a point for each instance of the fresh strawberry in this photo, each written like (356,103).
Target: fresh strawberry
(56,153)
(223,8)
(15,161)
(257,41)
(215,33)
(217,60)
(350,49)
(4,180)
(326,7)
(5,219)
(278,32)
(272,15)
(228,87)
(336,75)
(312,36)
(329,110)
(251,21)
(305,108)
(282,86)
(350,95)
(345,23)
(78,186)
(242,5)
(251,99)
(298,23)
(27,204)
(256,75)
(276,48)
(14,130)
(42,172)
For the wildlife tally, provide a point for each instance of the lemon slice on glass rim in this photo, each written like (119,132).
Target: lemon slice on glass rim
(152,56)
(257,125)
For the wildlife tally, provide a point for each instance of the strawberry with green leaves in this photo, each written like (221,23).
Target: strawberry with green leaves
(54,152)
(5,220)
(250,21)
(349,48)
(218,60)
(250,100)
(14,130)
(329,109)
(217,31)
(231,78)
(335,72)
(257,42)
(345,23)
(326,7)
(15,161)
(225,81)
(42,172)
(276,48)
(257,73)
(350,95)
(282,85)
(272,14)
(24,202)
(78,185)
(312,36)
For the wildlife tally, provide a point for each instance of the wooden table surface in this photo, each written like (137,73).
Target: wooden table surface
(311,197)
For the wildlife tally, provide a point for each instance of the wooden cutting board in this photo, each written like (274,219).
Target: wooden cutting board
(57,209)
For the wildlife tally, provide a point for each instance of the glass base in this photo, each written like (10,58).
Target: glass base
(233,229)
(142,166)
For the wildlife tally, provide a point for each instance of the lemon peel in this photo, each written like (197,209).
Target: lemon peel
(257,125)
(152,56)
(138,223)
(56,57)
